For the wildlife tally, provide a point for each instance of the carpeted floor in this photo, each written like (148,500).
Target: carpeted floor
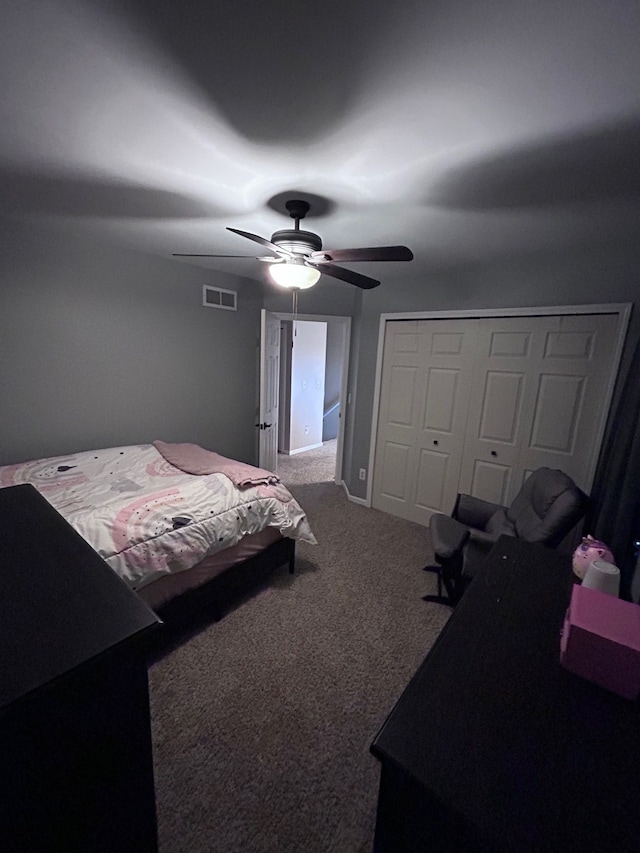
(262,722)
(313,466)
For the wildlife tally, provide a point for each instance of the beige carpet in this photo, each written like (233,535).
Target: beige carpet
(312,466)
(262,722)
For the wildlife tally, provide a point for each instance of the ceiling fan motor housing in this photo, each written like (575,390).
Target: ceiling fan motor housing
(302,242)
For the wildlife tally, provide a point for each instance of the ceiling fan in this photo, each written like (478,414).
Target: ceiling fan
(298,257)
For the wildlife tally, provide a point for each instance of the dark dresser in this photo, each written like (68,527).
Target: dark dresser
(493,746)
(76,770)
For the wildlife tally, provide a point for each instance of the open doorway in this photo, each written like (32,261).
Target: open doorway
(321,359)
(302,391)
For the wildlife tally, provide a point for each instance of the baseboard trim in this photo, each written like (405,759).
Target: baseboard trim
(300,449)
(353,498)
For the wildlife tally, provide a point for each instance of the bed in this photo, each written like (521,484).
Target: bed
(181,525)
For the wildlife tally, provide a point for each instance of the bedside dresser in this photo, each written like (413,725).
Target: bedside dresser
(493,746)
(76,770)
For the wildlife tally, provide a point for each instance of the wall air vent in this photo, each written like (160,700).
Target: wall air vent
(216,297)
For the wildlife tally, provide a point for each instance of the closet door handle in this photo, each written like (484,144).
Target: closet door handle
(494,453)
(435,440)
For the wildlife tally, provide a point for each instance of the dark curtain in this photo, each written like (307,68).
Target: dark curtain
(615,513)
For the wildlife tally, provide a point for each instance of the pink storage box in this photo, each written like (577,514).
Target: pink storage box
(601,641)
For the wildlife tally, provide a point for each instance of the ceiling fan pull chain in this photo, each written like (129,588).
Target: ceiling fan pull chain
(295,292)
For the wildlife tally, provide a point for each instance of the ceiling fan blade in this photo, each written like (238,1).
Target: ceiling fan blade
(263,242)
(185,255)
(346,275)
(375,253)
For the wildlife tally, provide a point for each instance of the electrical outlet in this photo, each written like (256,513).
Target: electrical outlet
(363,473)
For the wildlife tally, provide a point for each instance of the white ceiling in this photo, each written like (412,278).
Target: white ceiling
(468,130)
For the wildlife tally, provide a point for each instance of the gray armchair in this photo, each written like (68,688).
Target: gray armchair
(545,510)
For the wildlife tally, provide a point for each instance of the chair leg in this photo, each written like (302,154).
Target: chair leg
(451,576)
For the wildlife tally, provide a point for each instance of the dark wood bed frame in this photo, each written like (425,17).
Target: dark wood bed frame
(211,600)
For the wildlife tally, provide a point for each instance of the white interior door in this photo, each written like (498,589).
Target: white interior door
(426,382)
(269,390)
(345,397)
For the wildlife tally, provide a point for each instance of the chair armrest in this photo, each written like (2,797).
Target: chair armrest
(473,511)
(447,536)
(486,541)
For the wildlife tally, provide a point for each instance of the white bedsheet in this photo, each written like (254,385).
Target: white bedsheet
(147,518)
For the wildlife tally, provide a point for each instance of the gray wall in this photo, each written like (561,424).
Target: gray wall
(101,346)
(584,275)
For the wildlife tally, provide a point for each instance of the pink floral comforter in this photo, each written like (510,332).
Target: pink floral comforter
(147,518)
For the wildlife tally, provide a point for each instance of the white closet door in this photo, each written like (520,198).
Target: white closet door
(571,381)
(426,381)
(399,402)
(475,405)
(535,396)
(508,351)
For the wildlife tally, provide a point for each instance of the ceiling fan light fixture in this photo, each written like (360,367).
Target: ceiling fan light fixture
(299,259)
(294,275)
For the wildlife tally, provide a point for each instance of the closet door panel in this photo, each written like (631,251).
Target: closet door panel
(402,395)
(501,406)
(440,402)
(435,400)
(437,438)
(448,355)
(432,485)
(501,399)
(491,479)
(556,413)
(571,376)
(395,459)
(395,466)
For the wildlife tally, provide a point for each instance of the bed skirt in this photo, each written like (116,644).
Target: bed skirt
(219,580)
